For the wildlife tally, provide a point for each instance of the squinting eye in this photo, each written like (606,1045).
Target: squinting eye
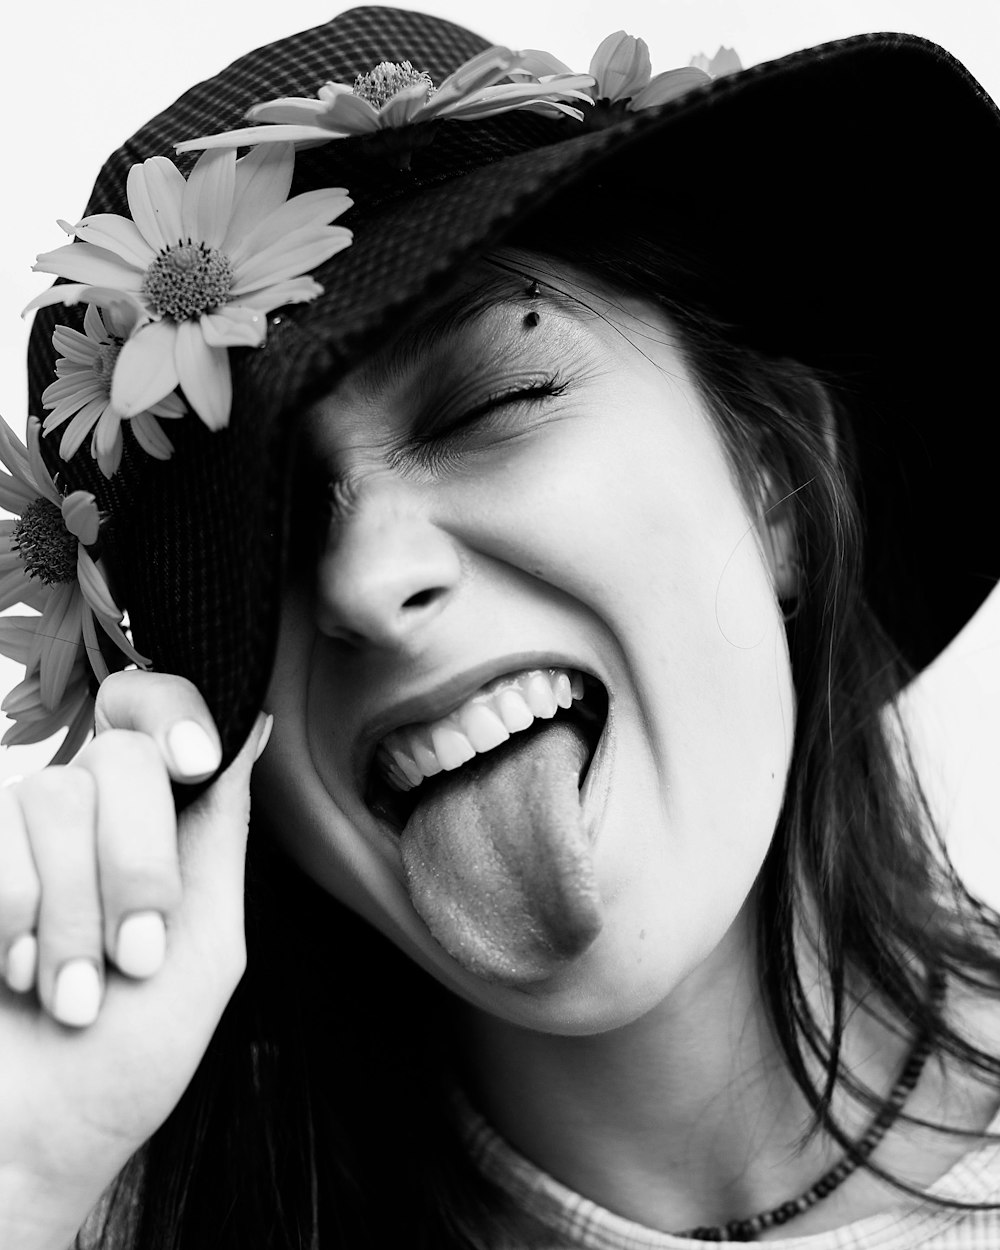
(445,428)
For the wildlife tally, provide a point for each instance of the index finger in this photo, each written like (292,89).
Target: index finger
(169,710)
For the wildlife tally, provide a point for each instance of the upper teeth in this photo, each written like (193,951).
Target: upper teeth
(501,707)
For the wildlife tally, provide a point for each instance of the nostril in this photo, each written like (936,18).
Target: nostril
(423,598)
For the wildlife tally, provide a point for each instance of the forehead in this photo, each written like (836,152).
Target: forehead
(513,309)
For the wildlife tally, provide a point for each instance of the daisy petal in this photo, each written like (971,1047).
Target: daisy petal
(330,90)
(250,135)
(40,474)
(155,191)
(312,208)
(95,589)
(14,454)
(106,447)
(510,96)
(14,586)
(150,436)
(16,636)
(348,115)
(93,648)
(483,70)
(404,106)
(118,235)
(263,180)
(71,391)
(33,723)
(620,66)
(94,329)
(668,86)
(80,426)
(170,406)
(61,653)
(78,731)
(541,64)
(288,110)
(204,375)
(233,326)
(208,198)
(81,517)
(73,345)
(295,291)
(14,495)
(124,302)
(95,266)
(298,253)
(145,370)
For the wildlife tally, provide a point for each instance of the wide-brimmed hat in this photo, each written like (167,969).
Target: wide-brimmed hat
(846,192)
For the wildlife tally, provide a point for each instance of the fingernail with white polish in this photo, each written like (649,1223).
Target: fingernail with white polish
(265,736)
(22,963)
(193,752)
(77,996)
(142,944)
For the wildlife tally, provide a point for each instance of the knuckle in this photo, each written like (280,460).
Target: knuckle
(125,751)
(63,792)
(76,930)
(118,691)
(146,879)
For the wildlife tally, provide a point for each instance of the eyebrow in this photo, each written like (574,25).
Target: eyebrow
(504,285)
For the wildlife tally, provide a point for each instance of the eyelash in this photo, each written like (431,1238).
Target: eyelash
(548,388)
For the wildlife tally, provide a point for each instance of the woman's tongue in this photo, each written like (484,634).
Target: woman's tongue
(497,862)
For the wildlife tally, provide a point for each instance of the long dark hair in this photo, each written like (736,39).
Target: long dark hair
(321,1113)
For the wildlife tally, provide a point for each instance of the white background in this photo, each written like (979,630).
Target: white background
(77,78)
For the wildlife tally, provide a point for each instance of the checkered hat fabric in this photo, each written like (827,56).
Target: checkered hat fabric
(844,192)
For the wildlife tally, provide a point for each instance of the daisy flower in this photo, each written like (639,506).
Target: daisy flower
(393,95)
(44,564)
(199,266)
(32,720)
(82,391)
(621,77)
(726,61)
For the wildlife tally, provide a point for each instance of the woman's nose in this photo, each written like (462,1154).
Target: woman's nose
(385,572)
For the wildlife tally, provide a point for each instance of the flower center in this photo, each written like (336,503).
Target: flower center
(46,547)
(187,280)
(389,78)
(107,358)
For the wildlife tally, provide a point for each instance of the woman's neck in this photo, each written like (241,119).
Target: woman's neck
(685,1117)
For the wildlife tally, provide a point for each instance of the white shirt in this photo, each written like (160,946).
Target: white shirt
(576,1223)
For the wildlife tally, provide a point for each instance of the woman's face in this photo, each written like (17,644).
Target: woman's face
(529,502)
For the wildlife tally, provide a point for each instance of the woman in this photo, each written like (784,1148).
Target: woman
(576,535)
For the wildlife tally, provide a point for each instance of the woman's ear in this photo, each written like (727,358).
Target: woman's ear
(776,527)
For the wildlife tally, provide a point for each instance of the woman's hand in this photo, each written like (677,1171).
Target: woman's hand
(121,941)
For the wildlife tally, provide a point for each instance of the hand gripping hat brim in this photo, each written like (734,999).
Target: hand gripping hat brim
(846,194)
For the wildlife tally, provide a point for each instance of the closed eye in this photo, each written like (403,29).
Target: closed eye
(491,412)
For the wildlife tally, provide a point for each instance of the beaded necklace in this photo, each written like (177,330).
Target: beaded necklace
(749,1229)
